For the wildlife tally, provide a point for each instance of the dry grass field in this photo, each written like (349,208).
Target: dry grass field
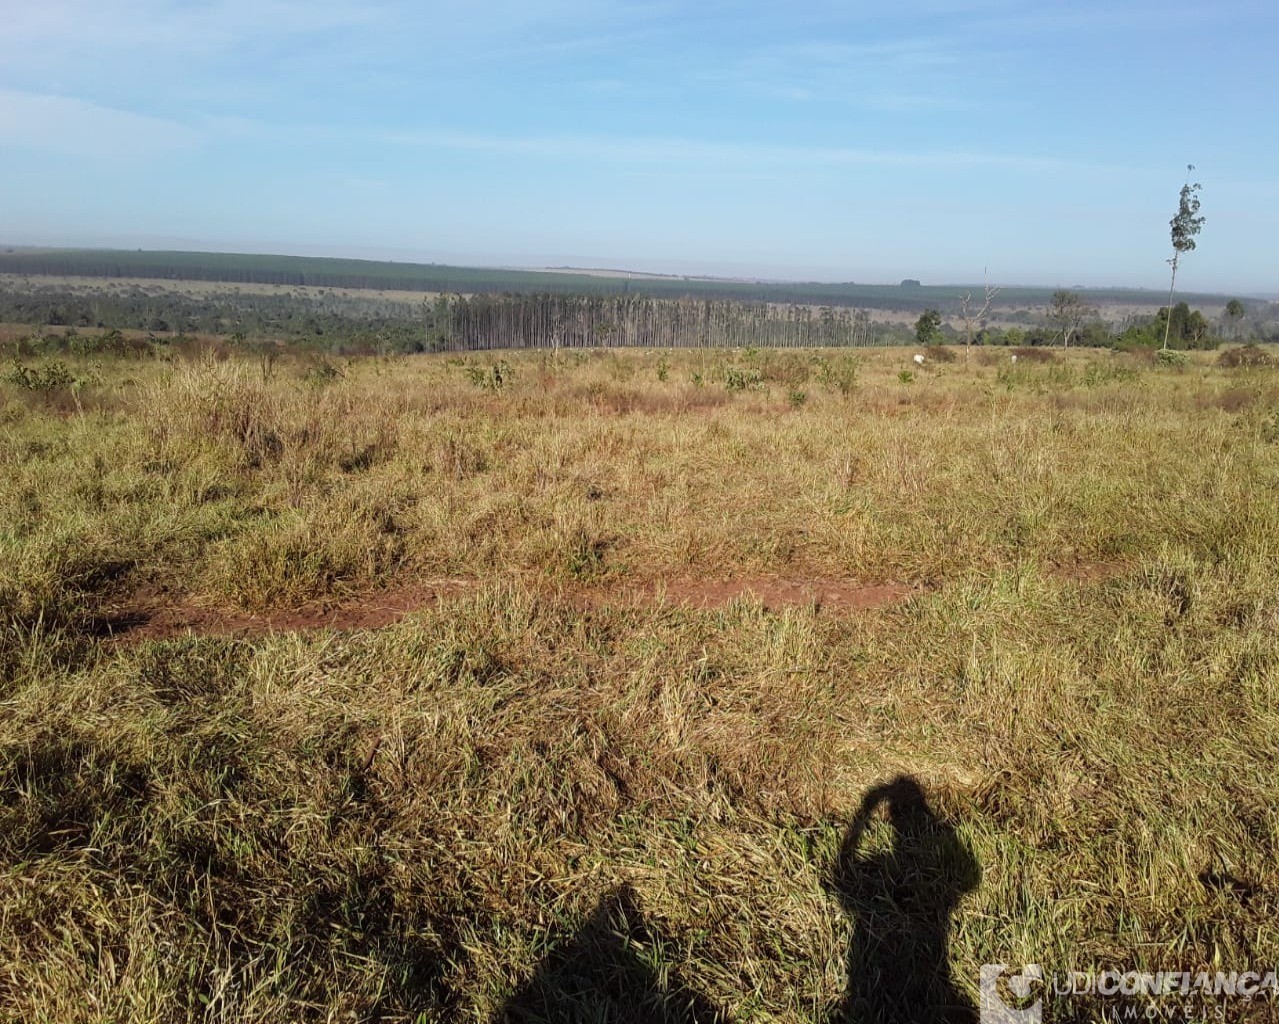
(758,686)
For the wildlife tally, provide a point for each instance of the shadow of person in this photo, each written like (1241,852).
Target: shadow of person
(901,900)
(609,971)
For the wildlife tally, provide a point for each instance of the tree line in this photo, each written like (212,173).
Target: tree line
(345,323)
(909,295)
(585,321)
(361,323)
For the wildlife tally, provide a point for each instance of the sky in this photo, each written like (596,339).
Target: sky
(945,140)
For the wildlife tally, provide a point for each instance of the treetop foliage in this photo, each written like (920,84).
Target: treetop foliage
(1187,222)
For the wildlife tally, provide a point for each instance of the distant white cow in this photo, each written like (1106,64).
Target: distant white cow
(919,360)
(1014,357)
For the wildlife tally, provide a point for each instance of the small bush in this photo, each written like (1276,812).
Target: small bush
(54,377)
(940,354)
(790,370)
(319,373)
(1108,373)
(1137,353)
(1170,357)
(1235,399)
(838,374)
(1248,357)
(493,377)
(739,378)
(112,343)
(1033,354)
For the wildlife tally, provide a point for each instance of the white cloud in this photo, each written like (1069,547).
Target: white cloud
(75,127)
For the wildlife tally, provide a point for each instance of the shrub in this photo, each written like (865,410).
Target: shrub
(54,377)
(318,374)
(739,378)
(1245,357)
(1235,399)
(940,354)
(1137,341)
(1108,373)
(1170,357)
(493,377)
(83,346)
(1034,354)
(789,369)
(1136,354)
(838,374)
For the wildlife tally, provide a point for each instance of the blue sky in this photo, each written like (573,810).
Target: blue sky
(1040,143)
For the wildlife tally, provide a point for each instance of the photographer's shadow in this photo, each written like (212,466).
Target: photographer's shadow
(901,900)
(605,974)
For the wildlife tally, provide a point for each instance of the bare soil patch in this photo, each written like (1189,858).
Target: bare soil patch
(776,594)
(151,618)
(155,618)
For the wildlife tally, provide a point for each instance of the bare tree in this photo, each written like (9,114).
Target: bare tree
(972,314)
(1068,312)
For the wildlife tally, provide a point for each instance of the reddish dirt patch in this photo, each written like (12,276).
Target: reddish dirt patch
(775,594)
(155,619)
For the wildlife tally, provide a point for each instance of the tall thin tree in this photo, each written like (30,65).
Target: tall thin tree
(1185,226)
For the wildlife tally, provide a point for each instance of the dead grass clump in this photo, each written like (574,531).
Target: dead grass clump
(357,543)
(207,401)
(457,455)
(1245,357)
(230,406)
(788,369)
(59,578)
(1235,399)
(606,397)
(200,348)
(696,399)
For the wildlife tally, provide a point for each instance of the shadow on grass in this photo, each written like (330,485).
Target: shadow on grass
(901,900)
(611,970)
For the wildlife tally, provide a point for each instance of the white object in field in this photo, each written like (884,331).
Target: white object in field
(1014,357)
(919,360)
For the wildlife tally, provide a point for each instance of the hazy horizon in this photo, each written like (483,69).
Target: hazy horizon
(941,140)
(655,269)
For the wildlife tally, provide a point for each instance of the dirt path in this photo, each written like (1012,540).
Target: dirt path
(153,618)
